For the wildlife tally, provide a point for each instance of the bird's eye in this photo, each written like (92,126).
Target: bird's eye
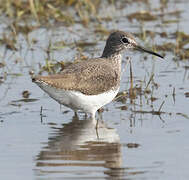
(125,40)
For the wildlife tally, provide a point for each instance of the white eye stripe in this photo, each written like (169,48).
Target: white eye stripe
(127,40)
(131,41)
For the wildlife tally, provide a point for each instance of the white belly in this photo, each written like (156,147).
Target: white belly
(79,101)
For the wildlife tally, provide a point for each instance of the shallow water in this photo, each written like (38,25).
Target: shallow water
(134,140)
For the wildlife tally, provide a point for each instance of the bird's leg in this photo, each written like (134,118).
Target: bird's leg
(85,115)
(75,114)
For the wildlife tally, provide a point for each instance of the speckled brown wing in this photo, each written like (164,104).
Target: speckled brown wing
(90,78)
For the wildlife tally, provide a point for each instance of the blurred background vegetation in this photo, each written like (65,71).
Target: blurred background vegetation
(56,10)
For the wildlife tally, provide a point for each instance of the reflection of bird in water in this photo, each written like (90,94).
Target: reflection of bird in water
(77,146)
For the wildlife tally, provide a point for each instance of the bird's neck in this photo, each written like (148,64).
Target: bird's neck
(114,57)
(110,52)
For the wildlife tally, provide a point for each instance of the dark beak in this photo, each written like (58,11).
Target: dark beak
(139,48)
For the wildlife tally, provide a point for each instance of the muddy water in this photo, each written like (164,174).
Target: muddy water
(135,138)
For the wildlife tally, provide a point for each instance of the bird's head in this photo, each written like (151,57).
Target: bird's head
(119,41)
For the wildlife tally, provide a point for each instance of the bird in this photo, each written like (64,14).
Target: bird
(89,85)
